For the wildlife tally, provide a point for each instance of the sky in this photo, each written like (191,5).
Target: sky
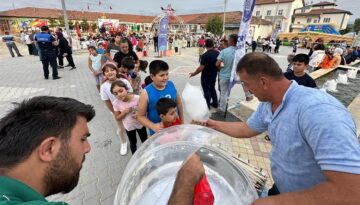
(152,7)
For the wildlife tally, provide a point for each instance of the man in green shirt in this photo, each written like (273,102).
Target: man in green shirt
(43,142)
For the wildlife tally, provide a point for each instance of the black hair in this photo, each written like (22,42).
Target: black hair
(91,47)
(143,64)
(44,28)
(302,58)
(259,63)
(128,62)
(126,40)
(33,120)
(148,80)
(163,105)
(156,66)
(119,83)
(209,43)
(234,38)
(319,47)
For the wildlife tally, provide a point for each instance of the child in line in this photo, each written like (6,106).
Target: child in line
(125,107)
(300,63)
(95,63)
(166,108)
(290,61)
(111,73)
(100,50)
(127,71)
(159,88)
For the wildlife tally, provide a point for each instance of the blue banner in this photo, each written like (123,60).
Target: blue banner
(242,36)
(163,36)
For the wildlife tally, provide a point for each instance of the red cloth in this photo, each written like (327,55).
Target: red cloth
(177,122)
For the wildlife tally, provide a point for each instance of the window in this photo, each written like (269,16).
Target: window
(302,10)
(321,7)
(298,22)
(280,13)
(315,21)
(257,13)
(268,13)
(326,20)
(308,20)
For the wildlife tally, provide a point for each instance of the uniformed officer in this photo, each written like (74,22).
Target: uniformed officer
(47,45)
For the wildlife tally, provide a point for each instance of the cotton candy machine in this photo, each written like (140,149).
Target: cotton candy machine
(151,172)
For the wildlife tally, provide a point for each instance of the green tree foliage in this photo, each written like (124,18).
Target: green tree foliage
(215,25)
(357,25)
(52,23)
(71,25)
(84,25)
(344,31)
(94,27)
(61,21)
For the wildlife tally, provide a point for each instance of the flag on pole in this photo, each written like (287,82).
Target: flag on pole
(240,46)
(110,7)
(88,7)
(99,3)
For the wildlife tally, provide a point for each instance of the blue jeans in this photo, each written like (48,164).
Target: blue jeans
(11,45)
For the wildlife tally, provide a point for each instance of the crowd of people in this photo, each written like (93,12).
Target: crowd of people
(315,157)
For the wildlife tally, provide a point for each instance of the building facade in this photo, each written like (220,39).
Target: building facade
(279,12)
(320,13)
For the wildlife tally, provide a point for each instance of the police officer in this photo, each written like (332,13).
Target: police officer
(47,45)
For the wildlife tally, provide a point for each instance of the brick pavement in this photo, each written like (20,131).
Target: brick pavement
(22,78)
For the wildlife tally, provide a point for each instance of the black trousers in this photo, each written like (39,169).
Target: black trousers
(208,86)
(70,59)
(49,57)
(132,137)
(156,47)
(30,48)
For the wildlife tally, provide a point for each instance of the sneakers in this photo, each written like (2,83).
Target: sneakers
(68,65)
(72,68)
(123,148)
(55,78)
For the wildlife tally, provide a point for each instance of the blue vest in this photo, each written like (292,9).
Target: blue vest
(44,41)
(154,95)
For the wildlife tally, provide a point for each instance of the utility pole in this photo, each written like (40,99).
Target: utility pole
(65,17)
(225,2)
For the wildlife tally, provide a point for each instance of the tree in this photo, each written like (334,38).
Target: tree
(61,21)
(215,25)
(84,25)
(52,23)
(357,25)
(344,31)
(94,27)
(71,25)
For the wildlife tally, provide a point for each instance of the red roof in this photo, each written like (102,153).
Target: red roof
(231,17)
(32,12)
(323,11)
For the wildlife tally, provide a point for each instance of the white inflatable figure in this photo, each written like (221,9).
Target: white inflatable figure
(195,103)
(352,73)
(342,78)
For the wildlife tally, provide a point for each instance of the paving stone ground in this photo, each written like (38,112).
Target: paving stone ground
(22,78)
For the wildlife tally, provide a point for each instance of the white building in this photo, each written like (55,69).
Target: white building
(320,13)
(277,11)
